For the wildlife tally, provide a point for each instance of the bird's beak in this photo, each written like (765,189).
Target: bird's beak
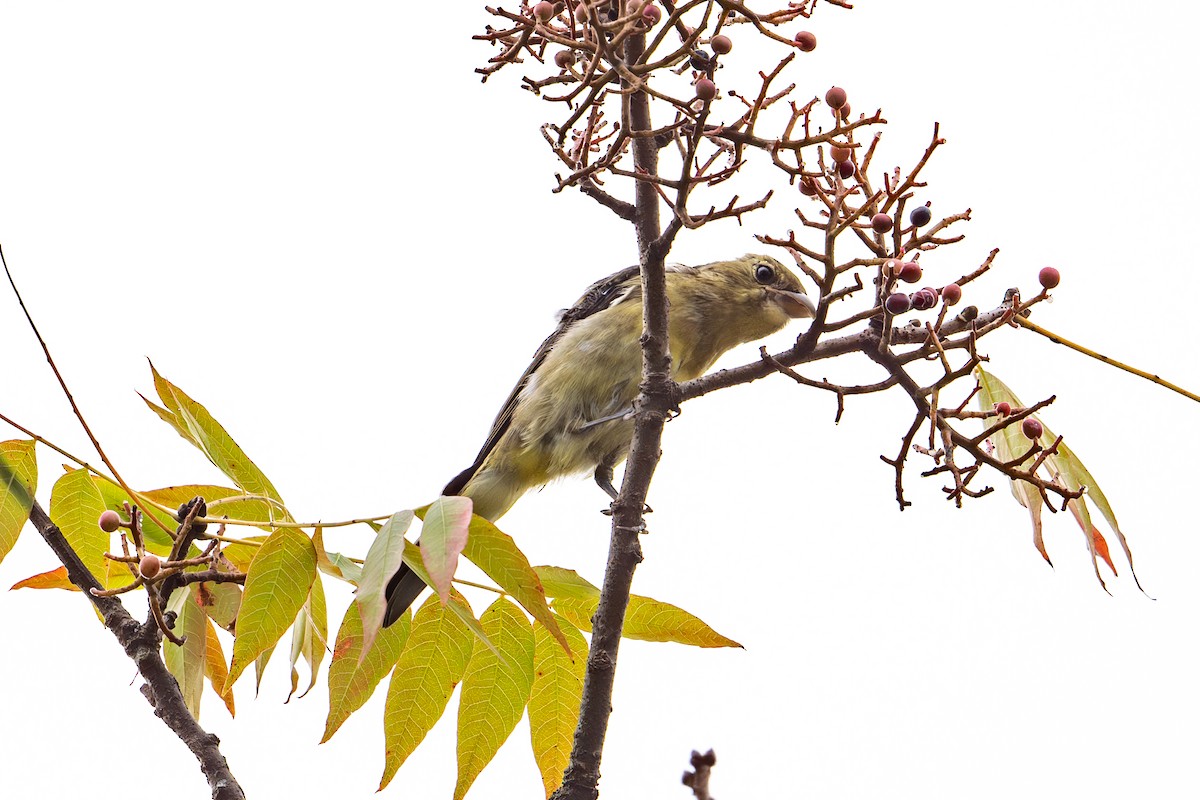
(794,304)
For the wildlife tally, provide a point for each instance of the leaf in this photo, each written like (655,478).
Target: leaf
(432,664)
(352,680)
(495,552)
(336,564)
(554,700)
(560,582)
(193,422)
(456,605)
(18,481)
(310,635)
(649,620)
(222,501)
(220,601)
(443,537)
(495,690)
(187,661)
(277,584)
(214,667)
(241,555)
(1065,468)
(54,579)
(384,557)
(75,506)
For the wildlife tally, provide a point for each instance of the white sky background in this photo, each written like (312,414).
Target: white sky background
(319,223)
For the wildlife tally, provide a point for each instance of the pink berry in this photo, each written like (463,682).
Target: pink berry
(881,223)
(806,41)
(109,521)
(835,97)
(149,566)
(840,152)
(910,272)
(846,169)
(897,303)
(1003,408)
(564,58)
(1031,428)
(543,11)
(1049,277)
(951,294)
(705,89)
(721,44)
(651,15)
(807,187)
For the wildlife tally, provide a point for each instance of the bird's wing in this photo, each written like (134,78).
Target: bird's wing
(602,294)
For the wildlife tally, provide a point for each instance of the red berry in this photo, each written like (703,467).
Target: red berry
(564,58)
(846,169)
(109,521)
(910,272)
(543,11)
(651,14)
(149,565)
(835,97)
(1031,428)
(807,187)
(705,89)
(721,44)
(843,112)
(1049,277)
(840,152)
(1003,408)
(924,300)
(897,303)
(806,41)
(951,294)
(891,267)
(920,216)
(881,223)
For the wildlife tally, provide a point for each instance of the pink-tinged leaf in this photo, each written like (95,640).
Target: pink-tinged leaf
(443,537)
(54,579)
(384,557)
(457,605)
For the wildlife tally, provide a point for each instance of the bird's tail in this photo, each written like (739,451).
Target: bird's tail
(492,492)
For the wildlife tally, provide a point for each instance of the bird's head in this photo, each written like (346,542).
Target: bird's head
(763,284)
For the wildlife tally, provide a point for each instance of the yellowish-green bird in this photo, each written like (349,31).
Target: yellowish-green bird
(571,412)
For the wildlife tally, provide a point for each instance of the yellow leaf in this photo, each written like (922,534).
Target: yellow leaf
(18,480)
(214,666)
(495,690)
(554,700)
(352,683)
(649,620)
(277,584)
(432,664)
(193,422)
(75,506)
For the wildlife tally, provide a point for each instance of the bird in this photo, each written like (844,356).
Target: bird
(572,410)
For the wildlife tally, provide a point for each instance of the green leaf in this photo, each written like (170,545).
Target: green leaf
(193,422)
(432,664)
(18,481)
(352,680)
(75,506)
(443,537)
(384,557)
(649,620)
(310,635)
(335,564)
(495,690)
(554,700)
(220,601)
(277,584)
(559,582)
(187,661)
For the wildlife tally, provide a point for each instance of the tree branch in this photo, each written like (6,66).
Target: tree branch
(141,643)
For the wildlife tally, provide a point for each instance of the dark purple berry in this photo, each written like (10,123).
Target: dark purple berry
(897,303)
(846,169)
(920,216)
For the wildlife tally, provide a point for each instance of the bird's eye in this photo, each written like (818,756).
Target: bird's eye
(764,274)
